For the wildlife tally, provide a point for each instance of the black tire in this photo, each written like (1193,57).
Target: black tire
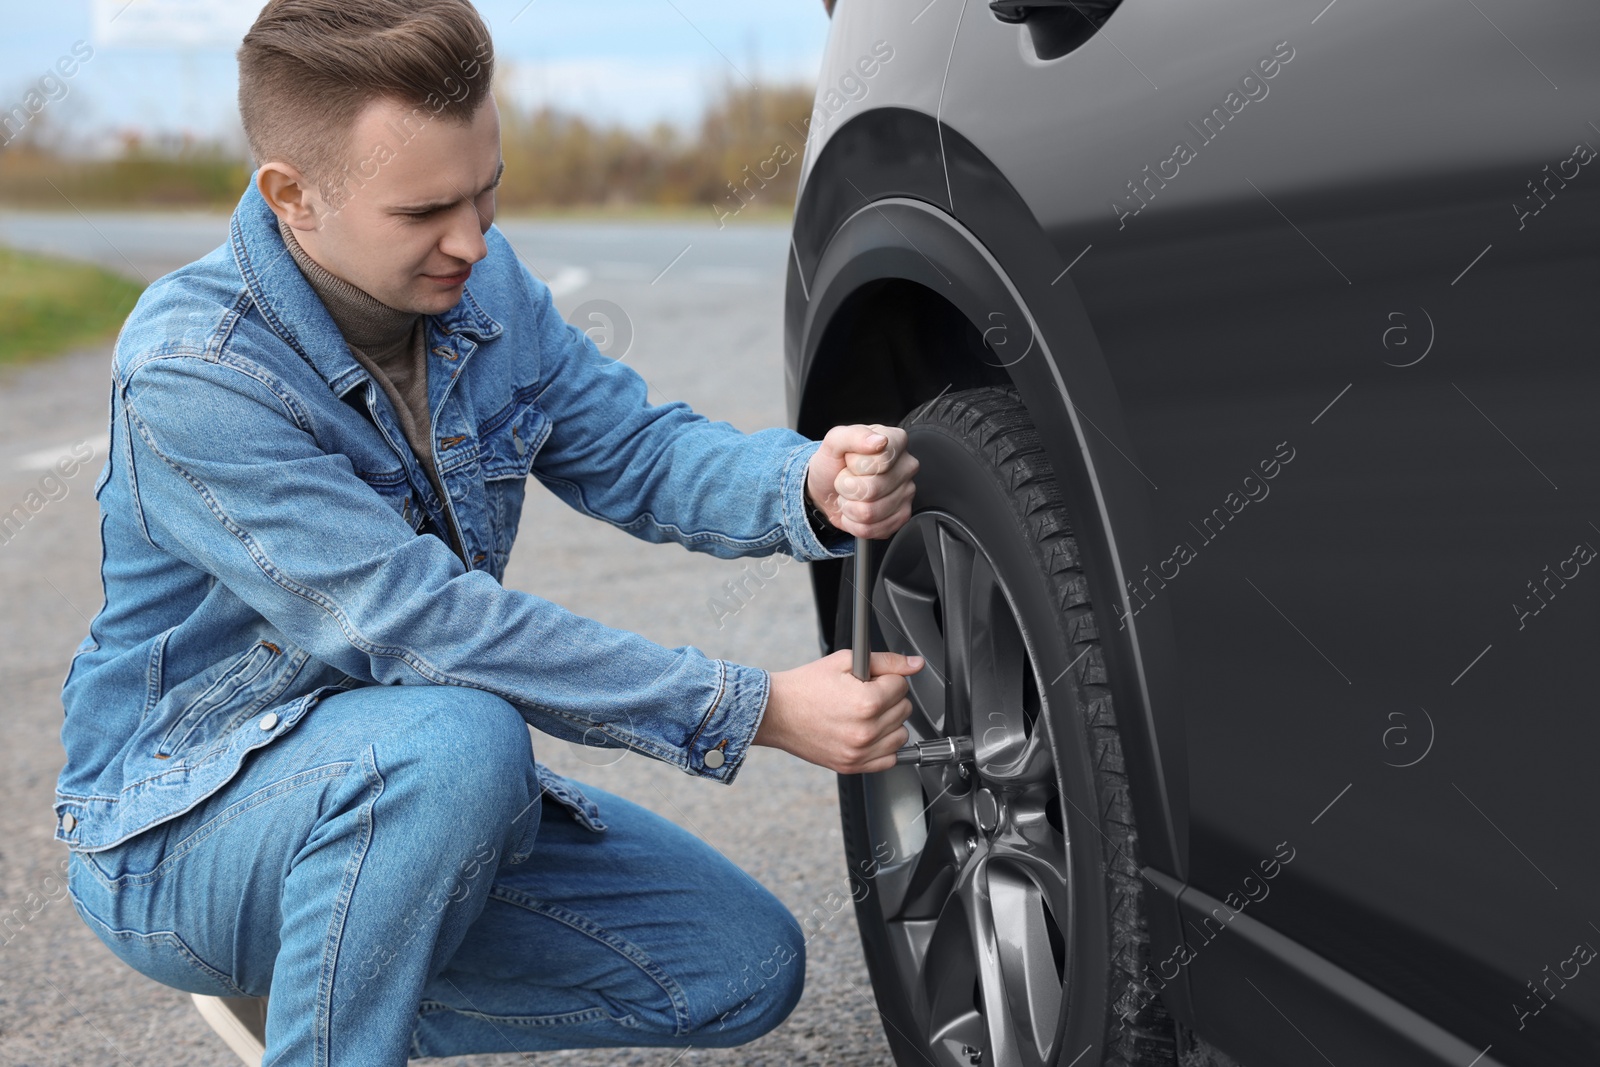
(1048,788)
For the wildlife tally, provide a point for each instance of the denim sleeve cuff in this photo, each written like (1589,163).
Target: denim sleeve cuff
(718,748)
(803,543)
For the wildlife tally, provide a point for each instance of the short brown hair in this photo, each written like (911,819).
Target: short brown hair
(307,68)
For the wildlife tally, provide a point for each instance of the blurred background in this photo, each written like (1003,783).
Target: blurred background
(626,128)
(636,109)
(637,102)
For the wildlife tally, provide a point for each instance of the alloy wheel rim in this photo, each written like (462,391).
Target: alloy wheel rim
(974,870)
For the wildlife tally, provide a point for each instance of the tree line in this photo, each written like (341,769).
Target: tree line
(744,153)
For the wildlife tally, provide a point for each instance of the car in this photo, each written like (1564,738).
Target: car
(1247,348)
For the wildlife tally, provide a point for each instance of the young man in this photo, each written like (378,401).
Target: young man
(298,760)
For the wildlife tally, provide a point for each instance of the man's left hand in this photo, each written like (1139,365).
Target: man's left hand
(861,479)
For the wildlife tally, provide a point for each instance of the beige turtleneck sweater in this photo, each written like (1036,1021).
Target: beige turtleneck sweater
(392,345)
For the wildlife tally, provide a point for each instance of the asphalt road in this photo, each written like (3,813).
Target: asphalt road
(700,311)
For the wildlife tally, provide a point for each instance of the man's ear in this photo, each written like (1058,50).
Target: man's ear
(289,194)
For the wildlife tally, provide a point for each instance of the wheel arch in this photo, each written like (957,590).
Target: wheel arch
(891,297)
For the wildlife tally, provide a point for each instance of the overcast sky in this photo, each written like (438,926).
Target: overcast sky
(168,65)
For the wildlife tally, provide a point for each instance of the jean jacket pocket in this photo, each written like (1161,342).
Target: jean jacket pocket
(508,439)
(395,489)
(507,443)
(235,692)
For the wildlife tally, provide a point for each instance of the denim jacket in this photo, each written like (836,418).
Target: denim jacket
(268,536)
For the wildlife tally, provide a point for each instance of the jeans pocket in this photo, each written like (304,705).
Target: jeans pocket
(160,955)
(136,861)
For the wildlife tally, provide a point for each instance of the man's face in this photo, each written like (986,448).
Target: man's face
(419,194)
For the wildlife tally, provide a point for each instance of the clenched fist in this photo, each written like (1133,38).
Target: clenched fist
(827,716)
(861,479)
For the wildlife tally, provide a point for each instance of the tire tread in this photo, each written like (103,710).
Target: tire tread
(994,420)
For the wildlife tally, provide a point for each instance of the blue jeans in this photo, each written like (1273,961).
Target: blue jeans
(390,873)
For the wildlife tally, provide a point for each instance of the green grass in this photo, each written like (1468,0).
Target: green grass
(50,305)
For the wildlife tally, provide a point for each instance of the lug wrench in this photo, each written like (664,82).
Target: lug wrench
(922,753)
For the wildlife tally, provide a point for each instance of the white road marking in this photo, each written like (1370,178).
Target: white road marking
(45,458)
(568,280)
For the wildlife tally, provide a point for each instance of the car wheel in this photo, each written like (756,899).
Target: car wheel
(1001,908)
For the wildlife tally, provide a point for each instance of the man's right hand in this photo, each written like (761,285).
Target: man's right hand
(826,715)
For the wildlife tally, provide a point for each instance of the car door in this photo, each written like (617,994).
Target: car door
(1340,259)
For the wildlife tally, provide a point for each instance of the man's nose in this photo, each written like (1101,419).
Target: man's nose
(464,240)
